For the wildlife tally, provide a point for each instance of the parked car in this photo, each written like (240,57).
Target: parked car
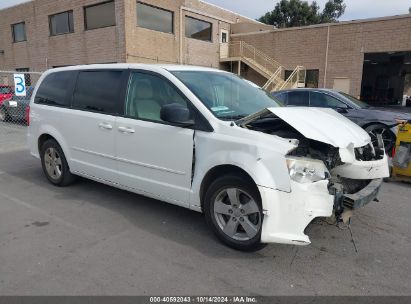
(207,140)
(17,107)
(373,120)
(6,92)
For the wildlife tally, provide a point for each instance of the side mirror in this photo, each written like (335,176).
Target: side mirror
(176,114)
(341,110)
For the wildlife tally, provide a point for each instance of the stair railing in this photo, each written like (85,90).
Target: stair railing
(241,49)
(274,79)
(296,79)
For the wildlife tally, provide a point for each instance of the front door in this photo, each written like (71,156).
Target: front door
(154,158)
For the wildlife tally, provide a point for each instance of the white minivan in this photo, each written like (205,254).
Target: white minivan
(207,140)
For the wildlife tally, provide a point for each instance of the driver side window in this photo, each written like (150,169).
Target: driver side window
(147,93)
(321,100)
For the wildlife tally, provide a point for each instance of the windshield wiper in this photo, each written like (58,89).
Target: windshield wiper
(232,117)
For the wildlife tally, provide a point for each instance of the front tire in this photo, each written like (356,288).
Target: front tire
(55,165)
(388,136)
(233,210)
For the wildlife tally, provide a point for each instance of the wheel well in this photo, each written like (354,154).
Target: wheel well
(372,123)
(377,123)
(219,171)
(42,139)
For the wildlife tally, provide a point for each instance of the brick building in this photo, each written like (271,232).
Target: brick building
(370,58)
(42,34)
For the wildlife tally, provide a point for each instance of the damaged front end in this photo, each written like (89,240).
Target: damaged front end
(353,182)
(334,169)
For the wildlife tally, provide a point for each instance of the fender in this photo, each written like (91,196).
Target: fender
(265,164)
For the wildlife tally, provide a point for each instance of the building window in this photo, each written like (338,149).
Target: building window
(154,18)
(19,32)
(100,15)
(198,29)
(311,79)
(61,23)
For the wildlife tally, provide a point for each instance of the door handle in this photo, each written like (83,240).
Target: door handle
(105,126)
(126,130)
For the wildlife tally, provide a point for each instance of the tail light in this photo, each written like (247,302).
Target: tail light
(28,115)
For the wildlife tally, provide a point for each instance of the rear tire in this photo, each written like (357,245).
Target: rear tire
(55,165)
(233,210)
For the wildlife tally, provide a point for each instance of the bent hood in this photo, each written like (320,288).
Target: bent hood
(325,125)
(320,124)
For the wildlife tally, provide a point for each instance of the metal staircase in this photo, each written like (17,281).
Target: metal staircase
(273,71)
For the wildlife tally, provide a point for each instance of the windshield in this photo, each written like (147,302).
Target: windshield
(226,95)
(356,101)
(6,90)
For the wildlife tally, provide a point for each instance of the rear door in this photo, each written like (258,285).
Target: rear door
(154,157)
(91,124)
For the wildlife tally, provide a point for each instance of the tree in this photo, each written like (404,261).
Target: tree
(289,13)
(332,11)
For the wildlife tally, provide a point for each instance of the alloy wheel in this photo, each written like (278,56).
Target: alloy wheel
(53,163)
(386,135)
(237,214)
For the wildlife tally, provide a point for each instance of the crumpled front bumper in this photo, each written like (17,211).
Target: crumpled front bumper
(287,214)
(363,169)
(362,197)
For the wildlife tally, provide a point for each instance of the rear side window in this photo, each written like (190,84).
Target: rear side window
(299,99)
(98,91)
(55,89)
(282,97)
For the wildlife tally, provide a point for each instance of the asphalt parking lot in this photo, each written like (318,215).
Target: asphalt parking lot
(90,239)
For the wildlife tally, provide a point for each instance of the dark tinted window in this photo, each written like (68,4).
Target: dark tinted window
(98,91)
(55,89)
(154,18)
(282,97)
(146,95)
(298,99)
(322,100)
(198,29)
(19,32)
(100,15)
(61,23)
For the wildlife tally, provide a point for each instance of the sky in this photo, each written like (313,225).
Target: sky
(356,9)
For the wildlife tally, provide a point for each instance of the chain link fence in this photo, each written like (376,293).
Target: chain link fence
(16,88)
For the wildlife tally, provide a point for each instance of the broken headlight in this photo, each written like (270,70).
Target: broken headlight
(306,170)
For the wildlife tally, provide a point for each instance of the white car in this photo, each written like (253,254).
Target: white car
(207,140)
